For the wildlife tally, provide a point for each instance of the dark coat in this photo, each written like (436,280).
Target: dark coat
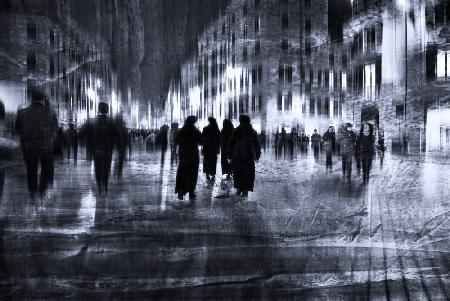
(244,149)
(225,136)
(37,126)
(211,148)
(187,140)
(347,141)
(330,140)
(366,146)
(104,136)
(315,140)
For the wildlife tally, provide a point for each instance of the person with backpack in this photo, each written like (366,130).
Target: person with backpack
(244,149)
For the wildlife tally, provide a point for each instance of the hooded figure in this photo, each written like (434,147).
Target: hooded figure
(187,140)
(211,148)
(37,126)
(244,150)
(225,136)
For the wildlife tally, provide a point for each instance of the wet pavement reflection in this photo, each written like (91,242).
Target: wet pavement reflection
(303,232)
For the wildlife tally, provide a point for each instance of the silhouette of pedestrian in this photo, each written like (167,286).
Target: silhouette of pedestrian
(347,141)
(366,149)
(72,142)
(211,148)
(225,136)
(244,150)
(315,144)
(104,137)
(188,140)
(37,126)
(329,138)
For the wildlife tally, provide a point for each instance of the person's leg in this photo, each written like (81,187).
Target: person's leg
(349,167)
(369,166)
(98,163)
(75,154)
(46,177)
(106,172)
(31,161)
(344,164)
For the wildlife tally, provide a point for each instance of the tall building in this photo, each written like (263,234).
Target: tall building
(310,64)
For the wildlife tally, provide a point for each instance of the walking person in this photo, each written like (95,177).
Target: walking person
(347,141)
(72,142)
(37,126)
(366,149)
(244,150)
(104,138)
(187,141)
(315,144)
(225,136)
(211,148)
(329,138)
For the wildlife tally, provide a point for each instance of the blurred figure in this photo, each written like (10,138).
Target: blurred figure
(381,146)
(211,148)
(244,150)
(225,136)
(329,138)
(366,149)
(315,144)
(187,141)
(122,143)
(104,137)
(172,137)
(72,142)
(37,126)
(347,143)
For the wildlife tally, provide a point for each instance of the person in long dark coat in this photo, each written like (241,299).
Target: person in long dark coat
(329,138)
(211,148)
(225,136)
(37,126)
(244,149)
(187,141)
(366,149)
(104,138)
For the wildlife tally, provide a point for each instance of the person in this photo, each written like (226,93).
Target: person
(104,137)
(347,141)
(211,148)
(72,142)
(187,141)
(381,146)
(366,149)
(329,138)
(59,143)
(37,126)
(315,144)
(172,136)
(122,143)
(244,150)
(225,136)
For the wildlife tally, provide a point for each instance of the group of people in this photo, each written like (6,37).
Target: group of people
(42,139)
(239,148)
(361,147)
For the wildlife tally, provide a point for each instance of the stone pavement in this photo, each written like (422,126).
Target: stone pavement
(303,234)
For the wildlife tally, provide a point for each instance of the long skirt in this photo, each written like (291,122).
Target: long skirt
(209,164)
(187,175)
(244,175)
